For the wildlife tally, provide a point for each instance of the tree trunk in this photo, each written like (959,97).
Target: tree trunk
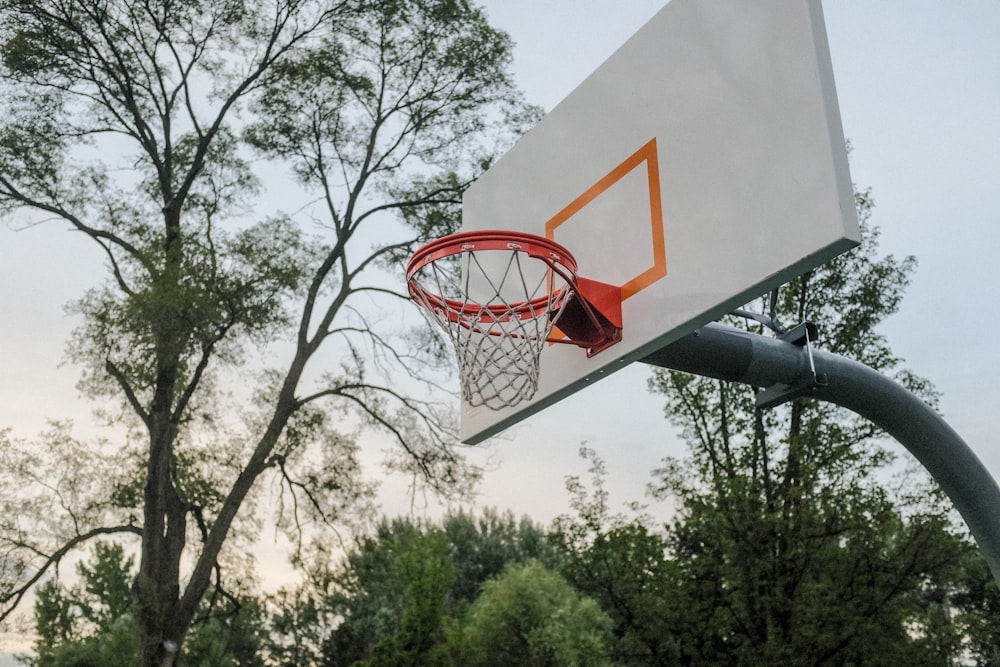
(157,585)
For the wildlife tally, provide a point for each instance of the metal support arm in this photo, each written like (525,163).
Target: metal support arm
(790,370)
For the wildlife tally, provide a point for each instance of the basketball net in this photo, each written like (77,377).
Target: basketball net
(498,307)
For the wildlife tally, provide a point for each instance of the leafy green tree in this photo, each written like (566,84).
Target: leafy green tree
(791,548)
(233,636)
(483,546)
(92,622)
(298,624)
(427,574)
(399,586)
(976,599)
(623,565)
(531,615)
(89,624)
(128,122)
(367,591)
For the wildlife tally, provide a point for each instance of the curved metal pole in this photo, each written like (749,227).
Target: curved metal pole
(791,370)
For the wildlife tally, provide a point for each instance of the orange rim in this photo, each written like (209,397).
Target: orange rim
(558,259)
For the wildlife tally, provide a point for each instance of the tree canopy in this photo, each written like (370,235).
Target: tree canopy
(794,544)
(146,127)
(403,581)
(611,590)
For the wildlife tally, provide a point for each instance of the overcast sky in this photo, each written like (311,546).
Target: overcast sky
(919,89)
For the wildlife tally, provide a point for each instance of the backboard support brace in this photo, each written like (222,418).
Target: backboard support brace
(593,318)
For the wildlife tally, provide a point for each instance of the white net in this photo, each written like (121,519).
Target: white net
(498,308)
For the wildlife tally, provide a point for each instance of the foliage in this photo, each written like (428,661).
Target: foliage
(298,623)
(483,546)
(789,546)
(89,624)
(396,587)
(531,615)
(132,123)
(623,565)
(795,541)
(92,622)
(427,575)
(975,596)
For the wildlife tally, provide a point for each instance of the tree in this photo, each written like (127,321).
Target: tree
(484,546)
(91,623)
(531,615)
(971,601)
(397,587)
(126,121)
(791,549)
(622,564)
(427,574)
(389,597)
(298,624)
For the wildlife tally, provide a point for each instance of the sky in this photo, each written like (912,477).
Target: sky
(919,90)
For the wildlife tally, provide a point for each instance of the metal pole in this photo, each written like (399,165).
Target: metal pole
(790,370)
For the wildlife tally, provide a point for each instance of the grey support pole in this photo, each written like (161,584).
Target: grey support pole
(789,369)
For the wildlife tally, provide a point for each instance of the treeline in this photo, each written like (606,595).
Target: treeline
(596,588)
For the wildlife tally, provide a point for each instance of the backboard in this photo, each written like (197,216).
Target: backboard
(700,166)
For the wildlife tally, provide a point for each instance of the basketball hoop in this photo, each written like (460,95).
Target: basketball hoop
(502,297)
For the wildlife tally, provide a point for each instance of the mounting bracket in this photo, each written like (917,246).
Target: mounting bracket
(807,379)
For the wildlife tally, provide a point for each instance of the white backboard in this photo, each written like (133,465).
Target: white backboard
(700,166)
